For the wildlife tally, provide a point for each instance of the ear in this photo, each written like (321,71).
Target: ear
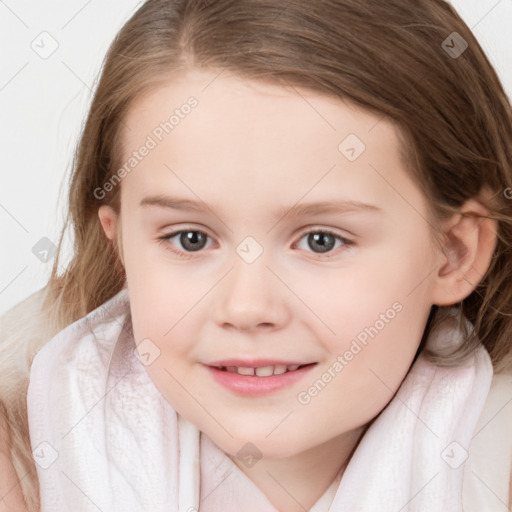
(110,223)
(466,253)
(108,220)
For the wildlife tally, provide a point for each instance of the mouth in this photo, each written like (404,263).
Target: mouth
(262,371)
(253,378)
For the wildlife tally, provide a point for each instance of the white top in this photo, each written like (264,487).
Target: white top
(488,469)
(113,442)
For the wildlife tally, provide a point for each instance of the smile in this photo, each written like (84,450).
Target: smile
(258,380)
(262,371)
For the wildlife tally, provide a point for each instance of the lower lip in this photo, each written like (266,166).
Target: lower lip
(251,385)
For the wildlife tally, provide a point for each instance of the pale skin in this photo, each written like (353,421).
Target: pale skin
(251,151)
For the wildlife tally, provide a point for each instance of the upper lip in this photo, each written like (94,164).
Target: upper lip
(256,363)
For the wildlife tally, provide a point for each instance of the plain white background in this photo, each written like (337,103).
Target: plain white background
(44,100)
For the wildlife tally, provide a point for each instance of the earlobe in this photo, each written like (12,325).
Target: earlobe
(108,220)
(469,242)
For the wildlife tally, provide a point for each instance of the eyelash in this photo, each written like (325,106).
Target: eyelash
(164,240)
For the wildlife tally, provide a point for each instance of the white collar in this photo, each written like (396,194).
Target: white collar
(96,422)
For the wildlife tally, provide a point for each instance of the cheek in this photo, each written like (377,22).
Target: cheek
(162,318)
(343,303)
(367,364)
(160,292)
(378,313)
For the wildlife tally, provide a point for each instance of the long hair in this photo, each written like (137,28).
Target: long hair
(404,61)
(390,57)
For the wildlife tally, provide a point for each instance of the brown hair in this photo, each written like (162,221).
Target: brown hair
(386,56)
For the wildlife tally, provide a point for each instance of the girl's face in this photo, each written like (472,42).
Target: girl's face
(269,226)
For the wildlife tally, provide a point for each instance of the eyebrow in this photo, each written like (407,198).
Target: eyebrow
(297,210)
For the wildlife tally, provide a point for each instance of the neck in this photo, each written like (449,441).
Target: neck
(296,483)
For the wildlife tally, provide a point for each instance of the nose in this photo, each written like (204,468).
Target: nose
(252,298)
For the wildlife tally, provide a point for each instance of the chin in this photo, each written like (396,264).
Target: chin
(257,445)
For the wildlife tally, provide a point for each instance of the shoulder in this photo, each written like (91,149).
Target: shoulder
(10,488)
(488,469)
(23,331)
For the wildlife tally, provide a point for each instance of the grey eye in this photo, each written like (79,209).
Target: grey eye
(191,240)
(321,241)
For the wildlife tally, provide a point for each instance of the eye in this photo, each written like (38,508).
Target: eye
(187,241)
(190,240)
(323,241)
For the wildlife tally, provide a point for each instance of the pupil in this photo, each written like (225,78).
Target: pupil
(192,240)
(321,241)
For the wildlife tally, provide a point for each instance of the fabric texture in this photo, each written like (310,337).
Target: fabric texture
(488,469)
(103,437)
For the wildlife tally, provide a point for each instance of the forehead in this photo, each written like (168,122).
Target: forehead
(228,103)
(255,136)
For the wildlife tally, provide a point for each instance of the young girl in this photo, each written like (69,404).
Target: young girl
(292,284)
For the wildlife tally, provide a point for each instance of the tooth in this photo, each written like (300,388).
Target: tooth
(265,371)
(279,369)
(245,371)
(292,367)
(231,369)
